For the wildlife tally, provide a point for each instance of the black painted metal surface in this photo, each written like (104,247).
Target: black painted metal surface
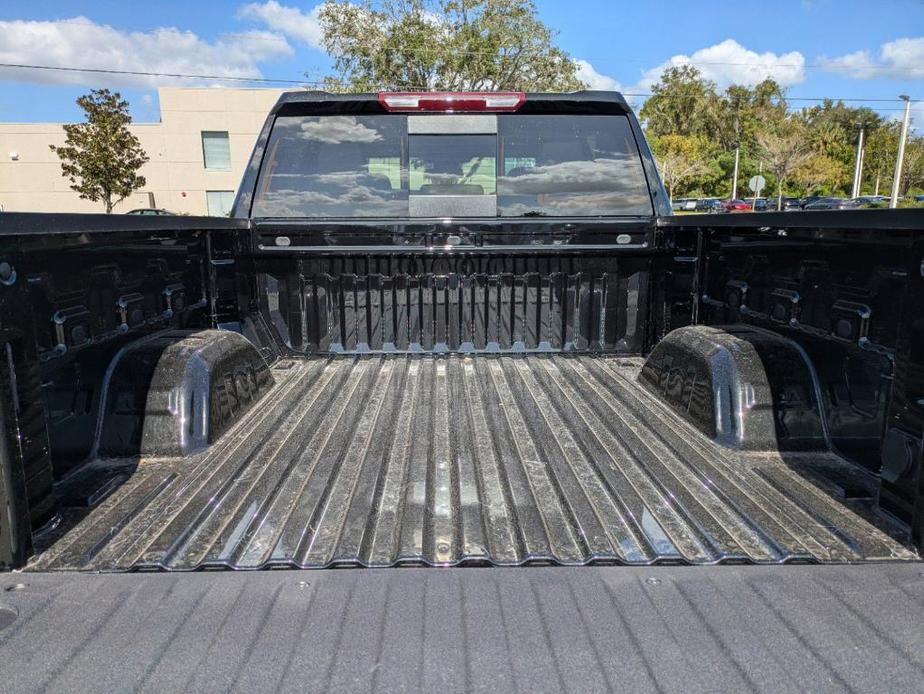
(378,461)
(49,229)
(455,303)
(742,386)
(846,286)
(177,391)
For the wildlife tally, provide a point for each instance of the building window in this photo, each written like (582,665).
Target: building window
(216,150)
(219,202)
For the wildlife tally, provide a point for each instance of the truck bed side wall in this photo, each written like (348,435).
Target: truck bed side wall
(74,290)
(848,288)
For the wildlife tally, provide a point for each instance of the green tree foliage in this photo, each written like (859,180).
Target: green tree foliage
(844,120)
(680,158)
(913,171)
(101,157)
(820,174)
(743,112)
(879,162)
(452,45)
(803,152)
(682,103)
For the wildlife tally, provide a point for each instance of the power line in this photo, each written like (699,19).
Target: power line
(829,65)
(139,73)
(314,83)
(785,98)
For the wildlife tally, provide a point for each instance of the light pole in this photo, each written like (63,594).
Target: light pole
(896,179)
(860,177)
(735,176)
(858,167)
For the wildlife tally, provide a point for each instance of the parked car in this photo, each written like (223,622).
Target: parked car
(738,206)
(683,204)
(832,204)
(918,198)
(152,212)
(786,204)
(811,200)
(712,205)
(872,200)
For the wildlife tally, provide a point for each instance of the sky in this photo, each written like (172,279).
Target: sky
(843,49)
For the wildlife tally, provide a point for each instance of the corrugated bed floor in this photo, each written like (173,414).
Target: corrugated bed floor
(381,461)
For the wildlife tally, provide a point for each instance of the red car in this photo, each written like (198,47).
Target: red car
(737,205)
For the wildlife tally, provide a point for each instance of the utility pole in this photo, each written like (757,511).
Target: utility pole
(896,180)
(860,177)
(858,167)
(734,195)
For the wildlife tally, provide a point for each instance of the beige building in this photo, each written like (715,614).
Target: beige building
(197,153)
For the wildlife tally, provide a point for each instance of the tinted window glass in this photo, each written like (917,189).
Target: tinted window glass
(362,166)
(569,165)
(334,166)
(452,164)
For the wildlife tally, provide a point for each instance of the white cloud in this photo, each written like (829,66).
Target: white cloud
(587,74)
(80,42)
(899,59)
(291,21)
(336,129)
(917,116)
(729,62)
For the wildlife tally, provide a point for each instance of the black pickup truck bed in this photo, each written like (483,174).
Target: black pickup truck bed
(520,365)
(438,460)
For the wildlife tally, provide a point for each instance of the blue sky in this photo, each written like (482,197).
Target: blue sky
(816,48)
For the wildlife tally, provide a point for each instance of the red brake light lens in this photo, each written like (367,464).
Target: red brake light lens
(451,102)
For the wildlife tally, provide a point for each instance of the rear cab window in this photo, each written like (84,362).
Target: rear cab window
(435,165)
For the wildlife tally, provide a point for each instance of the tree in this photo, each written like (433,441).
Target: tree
(101,157)
(680,158)
(451,45)
(847,118)
(682,103)
(813,149)
(879,160)
(819,174)
(785,148)
(913,165)
(833,129)
(743,112)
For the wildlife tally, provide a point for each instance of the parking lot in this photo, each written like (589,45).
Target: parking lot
(787,204)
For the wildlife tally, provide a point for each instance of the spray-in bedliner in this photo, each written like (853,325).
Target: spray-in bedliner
(449,460)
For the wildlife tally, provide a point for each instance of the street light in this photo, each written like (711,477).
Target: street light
(896,179)
(734,195)
(858,167)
